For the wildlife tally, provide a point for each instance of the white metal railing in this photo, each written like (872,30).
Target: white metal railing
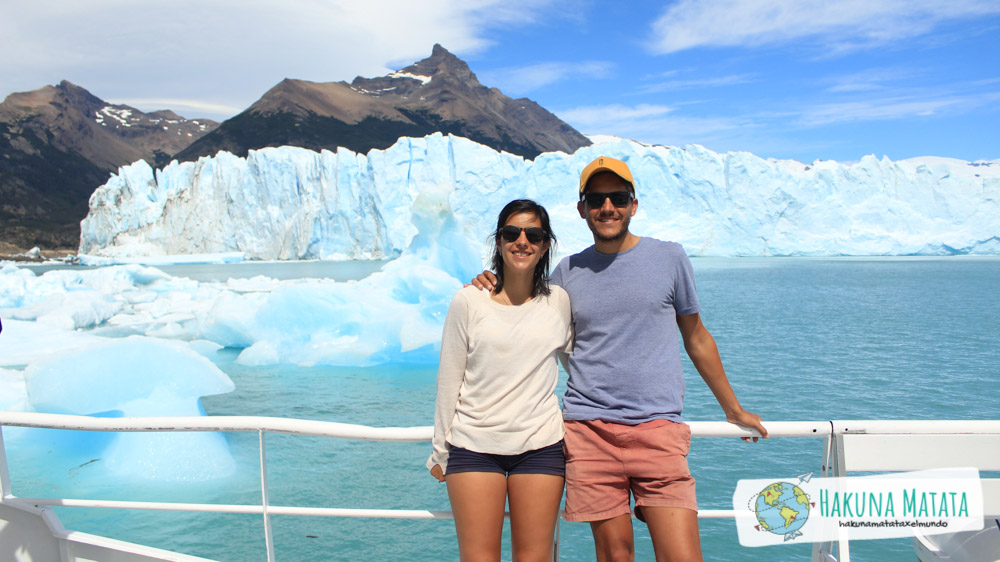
(889,445)
(263,425)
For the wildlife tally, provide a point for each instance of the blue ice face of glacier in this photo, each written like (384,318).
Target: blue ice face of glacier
(293,203)
(439,240)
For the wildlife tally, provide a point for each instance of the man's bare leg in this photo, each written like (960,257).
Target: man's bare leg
(613,539)
(674,531)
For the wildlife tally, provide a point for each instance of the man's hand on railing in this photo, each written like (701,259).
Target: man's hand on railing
(748,420)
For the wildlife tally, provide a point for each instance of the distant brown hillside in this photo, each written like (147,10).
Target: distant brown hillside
(58,144)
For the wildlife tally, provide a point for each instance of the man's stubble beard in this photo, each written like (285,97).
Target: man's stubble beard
(622,233)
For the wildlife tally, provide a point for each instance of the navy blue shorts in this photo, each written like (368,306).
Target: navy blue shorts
(547,460)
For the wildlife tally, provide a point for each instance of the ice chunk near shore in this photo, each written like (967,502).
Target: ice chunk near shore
(135,376)
(73,299)
(157,259)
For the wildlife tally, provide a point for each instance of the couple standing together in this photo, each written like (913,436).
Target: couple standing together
(615,309)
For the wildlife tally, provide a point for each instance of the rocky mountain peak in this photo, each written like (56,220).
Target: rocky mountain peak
(437,94)
(79,97)
(440,69)
(442,62)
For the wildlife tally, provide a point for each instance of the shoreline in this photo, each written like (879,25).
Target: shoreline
(9,252)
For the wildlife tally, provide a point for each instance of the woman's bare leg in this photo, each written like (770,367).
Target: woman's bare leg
(534,511)
(478,500)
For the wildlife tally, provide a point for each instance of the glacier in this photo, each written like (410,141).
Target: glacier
(290,203)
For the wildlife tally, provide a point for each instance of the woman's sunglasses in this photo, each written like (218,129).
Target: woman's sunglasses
(618,199)
(511,233)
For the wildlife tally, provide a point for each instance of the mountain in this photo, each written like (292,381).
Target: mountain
(58,143)
(292,203)
(437,94)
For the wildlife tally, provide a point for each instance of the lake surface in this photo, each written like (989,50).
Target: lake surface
(212,272)
(801,338)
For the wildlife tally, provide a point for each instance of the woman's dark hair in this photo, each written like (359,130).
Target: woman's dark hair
(541,276)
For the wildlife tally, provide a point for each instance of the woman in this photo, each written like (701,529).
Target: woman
(497,426)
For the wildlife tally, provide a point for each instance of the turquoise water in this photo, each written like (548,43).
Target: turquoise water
(338,271)
(802,339)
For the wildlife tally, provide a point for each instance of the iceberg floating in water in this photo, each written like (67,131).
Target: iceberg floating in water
(117,373)
(293,203)
(131,377)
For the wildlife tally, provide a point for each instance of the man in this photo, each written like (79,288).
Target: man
(630,296)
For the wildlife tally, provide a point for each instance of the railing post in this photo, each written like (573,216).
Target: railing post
(840,470)
(555,547)
(4,473)
(823,551)
(268,537)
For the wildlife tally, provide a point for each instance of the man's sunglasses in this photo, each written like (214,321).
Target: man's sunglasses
(618,199)
(511,233)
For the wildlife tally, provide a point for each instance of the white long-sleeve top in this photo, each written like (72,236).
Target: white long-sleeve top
(497,378)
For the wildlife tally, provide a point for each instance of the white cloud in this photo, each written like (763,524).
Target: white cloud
(614,113)
(185,107)
(710,82)
(226,53)
(871,79)
(838,24)
(764,132)
(522,80)
(899,107)
(654,124)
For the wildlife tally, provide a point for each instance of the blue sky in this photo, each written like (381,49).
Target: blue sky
(804,80)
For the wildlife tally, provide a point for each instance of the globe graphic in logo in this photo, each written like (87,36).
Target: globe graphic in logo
(782,509)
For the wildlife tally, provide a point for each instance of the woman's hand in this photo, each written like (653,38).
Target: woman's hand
(436,472)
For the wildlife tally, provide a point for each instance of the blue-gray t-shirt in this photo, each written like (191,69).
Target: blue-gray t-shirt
(626,363)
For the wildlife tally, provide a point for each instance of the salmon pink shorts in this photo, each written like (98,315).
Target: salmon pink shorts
(606,461)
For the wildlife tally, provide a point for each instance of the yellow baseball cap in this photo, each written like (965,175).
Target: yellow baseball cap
(606,164)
